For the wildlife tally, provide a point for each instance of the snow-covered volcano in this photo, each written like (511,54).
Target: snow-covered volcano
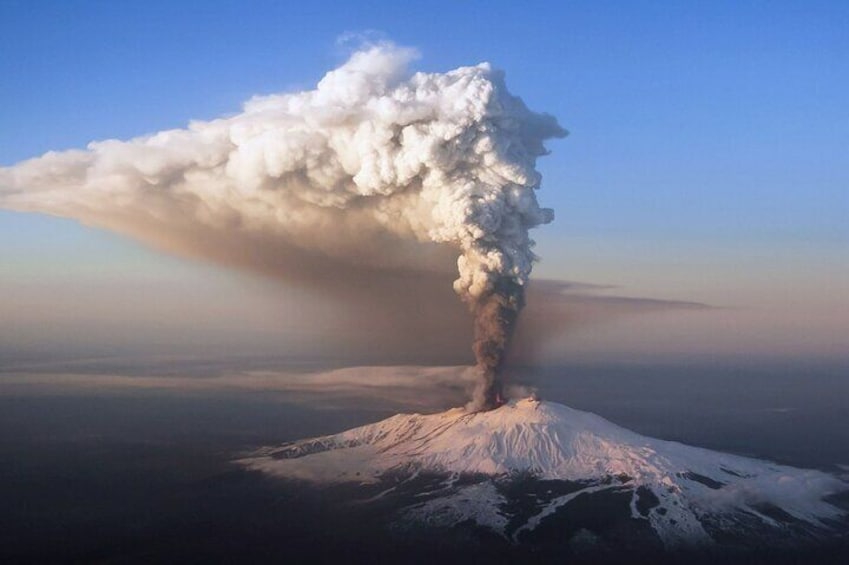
(686,494)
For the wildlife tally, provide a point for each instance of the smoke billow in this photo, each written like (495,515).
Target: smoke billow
(376,168)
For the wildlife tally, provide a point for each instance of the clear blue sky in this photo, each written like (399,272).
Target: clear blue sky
(709,140)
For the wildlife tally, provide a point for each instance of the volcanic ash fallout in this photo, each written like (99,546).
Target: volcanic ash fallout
(369,168)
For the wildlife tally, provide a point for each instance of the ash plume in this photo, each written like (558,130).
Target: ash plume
(377,168)
(495,314)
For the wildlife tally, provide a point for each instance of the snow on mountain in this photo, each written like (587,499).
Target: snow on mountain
(684,492)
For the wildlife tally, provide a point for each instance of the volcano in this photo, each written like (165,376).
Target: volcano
(530,468)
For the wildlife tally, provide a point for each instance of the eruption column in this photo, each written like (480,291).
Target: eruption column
(376,166)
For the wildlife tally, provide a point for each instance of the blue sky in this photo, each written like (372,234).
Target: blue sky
(708,157)
(687,120)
